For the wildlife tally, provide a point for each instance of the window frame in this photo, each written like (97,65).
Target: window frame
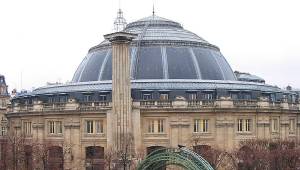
(201,125)
(149,96)
(156,126)
(275,124)
(102,97)
(164,96)
(292,125)
(93,126)
(27,127)
(244,125)
(55,127)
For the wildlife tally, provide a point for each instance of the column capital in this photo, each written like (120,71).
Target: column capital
(118,37)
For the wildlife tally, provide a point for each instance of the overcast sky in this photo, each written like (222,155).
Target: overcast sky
(45,40)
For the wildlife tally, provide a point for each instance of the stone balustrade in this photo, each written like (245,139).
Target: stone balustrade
(59,107)
(153,104)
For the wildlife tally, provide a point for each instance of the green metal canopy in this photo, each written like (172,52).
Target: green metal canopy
(181,157)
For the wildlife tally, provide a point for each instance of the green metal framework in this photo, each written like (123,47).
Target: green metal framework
(181,157)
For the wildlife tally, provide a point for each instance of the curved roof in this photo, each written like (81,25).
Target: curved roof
(157,85)
(162,50)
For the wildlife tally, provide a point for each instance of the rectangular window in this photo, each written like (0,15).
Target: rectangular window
(87,98)
(27,128)
(248,125)
(55,127)
(234,96)
(99,126)
(272,97)
(240,125)
(89,126)
(94,126)
(164,96)
(196,125)
(58,127)
(151,126)
(156,126)
(160,126)
(292,125)
(201,125)
(102,97)
(51,127)
(147,96)
(275,125)
(205,125)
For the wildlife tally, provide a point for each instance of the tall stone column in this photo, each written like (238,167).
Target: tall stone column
(121,90)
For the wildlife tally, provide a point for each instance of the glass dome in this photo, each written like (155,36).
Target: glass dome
(162,50)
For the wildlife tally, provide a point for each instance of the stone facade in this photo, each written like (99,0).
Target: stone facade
(4,100)
(174,122)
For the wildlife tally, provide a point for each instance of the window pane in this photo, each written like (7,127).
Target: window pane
(147,96)
(99,126)
(164,96)
(240,125)
(160,126)
(51,127)
(248,125)
(292,125)
(58,127)
(89,126)
(102,98)
(151,126)
(205,125)
(196,125)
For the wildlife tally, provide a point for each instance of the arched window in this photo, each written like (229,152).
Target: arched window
(55,158)
(245,158)
(28,157)
(94,158)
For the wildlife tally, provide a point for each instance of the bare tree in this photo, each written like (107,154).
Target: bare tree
(14,150)
(110,155)
(267,154)
(48,152)
(140,154)
(125,154)
(207,152)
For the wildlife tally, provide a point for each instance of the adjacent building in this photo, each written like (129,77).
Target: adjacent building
(4,100)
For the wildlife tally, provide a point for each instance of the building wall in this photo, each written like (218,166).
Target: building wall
(177,129)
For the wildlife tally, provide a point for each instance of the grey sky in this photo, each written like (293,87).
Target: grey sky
(45,40)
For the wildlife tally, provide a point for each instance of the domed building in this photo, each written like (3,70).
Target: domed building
(180,90)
